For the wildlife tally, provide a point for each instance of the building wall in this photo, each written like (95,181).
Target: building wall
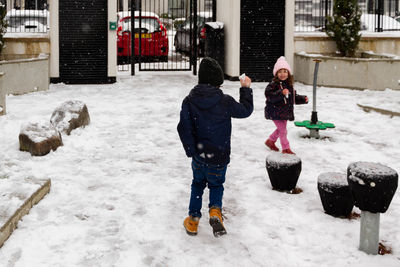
(17,47)
(54,42)
(112,41)
(228,12)
(289,32)
(34,75)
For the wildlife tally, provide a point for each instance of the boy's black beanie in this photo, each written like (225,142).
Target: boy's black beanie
(210,72)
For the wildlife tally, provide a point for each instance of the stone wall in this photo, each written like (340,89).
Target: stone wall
(354,73)
(21,45)
(380,43)
(25,75)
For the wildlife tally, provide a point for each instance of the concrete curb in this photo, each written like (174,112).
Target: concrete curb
(12,223)
(379,110)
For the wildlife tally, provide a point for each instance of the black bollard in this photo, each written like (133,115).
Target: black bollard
(283,171)
(373,186)
(335,194)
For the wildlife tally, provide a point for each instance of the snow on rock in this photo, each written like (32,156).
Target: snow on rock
(70,115)
(369,170)
(332,179)
(39,138)
(279,159)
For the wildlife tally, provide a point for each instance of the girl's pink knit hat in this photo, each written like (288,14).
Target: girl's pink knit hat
(281,63)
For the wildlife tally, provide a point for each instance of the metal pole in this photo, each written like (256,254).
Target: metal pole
(317,61)
(133,61)
(194,39)
(369,232)
(380,17)
(314,133)
(326,13)
(314,116)
(214,10)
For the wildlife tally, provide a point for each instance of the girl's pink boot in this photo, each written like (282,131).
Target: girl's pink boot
(271,144)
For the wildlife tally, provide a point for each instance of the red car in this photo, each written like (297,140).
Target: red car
(154,44)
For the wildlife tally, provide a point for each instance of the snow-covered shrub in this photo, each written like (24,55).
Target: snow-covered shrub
(3,24)
(344,26)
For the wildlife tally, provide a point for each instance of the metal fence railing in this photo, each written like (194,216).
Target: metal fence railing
(377,15)
(32,16)
(27,16)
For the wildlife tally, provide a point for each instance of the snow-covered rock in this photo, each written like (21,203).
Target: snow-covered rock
(70,115)
(39,138)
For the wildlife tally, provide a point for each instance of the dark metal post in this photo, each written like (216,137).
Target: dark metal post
(326,13)
(133,61)
(380,17)
(194,38)
(314,116)
(214,10)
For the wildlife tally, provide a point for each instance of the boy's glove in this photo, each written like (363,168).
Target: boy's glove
(306,99)
(245,81)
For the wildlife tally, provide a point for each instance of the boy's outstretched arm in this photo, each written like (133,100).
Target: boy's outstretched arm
(185,129)
(245,106)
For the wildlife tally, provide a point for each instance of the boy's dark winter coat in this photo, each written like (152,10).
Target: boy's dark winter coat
(205,122)
(278,107)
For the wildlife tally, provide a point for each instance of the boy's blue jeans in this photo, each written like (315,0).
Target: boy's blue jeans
(206,175)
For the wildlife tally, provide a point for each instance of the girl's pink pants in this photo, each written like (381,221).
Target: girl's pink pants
(281,133)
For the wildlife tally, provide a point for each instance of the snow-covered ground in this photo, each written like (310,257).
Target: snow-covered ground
(121,186)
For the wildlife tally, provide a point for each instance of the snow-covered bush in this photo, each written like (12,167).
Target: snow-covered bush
(344,26)
(3,24)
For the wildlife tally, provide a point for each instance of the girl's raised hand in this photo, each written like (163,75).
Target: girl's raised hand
(285,92)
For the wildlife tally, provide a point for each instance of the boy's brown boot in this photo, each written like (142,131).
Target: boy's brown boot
(271,144)
(191,223)
(216,221)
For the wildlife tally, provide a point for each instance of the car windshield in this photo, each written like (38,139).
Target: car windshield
(27,20)
(200,21)
(15,22)
(148,25)
(370,21)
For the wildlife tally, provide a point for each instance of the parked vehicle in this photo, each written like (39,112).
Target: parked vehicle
(182,36)
(369,23)
(154,38)
(28,21)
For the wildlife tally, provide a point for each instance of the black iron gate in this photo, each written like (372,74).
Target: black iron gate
(83,42)
(262,37)
(167,35)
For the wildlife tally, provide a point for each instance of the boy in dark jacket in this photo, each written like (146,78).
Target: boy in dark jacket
(205,131)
